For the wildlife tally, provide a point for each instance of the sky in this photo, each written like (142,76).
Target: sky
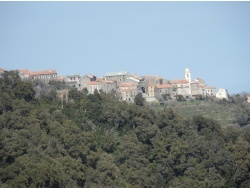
(212,39)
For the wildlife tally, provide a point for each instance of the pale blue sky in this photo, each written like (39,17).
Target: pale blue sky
(212,39)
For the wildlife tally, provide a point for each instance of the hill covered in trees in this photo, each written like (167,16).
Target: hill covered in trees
(97,141)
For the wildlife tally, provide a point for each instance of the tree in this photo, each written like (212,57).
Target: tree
(180,98)
(139,100)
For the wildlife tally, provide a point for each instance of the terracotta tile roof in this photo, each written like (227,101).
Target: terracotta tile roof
(99,79)
(157,77)
(136,76)
(45,72)
(201,85)
(127,85)
(147,76)
(107,81)
(151,85)
(2,69)
(163,86)
(126,90)
(178,81)
(25,71)
(93,83)
(60,78)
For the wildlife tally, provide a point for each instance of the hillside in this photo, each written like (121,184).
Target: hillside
(234,112)
(97,141)
(225,113)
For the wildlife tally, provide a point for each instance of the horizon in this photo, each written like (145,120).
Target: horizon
(212,39)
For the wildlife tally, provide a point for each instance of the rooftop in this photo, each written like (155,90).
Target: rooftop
(163,86)
(60,78)
(157,77)
(151,85)
(107,81)
(93,83)
(25,71)
(147,76)
(116,73)
(2,69)
(127,85)
(44,72)
(178,81)
(126,90)
(74,76)
(99,79)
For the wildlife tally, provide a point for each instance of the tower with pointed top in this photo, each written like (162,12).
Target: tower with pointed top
(188,78)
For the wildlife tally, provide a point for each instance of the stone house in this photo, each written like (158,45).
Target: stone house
(151,90)
(158,80)
(132,78)
(127,91)
(92,86)
(210,90)
(202,89)
(45,75)
(73,81)
(107,86)
(163,89)
(84,80)
(152,81)
(195,88)
(118,77)
(180,87)
(199,87)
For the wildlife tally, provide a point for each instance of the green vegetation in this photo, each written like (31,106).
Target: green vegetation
(226,113)
(97,141)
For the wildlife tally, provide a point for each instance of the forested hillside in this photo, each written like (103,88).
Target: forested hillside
(97,141)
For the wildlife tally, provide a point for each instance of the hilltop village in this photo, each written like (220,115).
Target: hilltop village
(126,85)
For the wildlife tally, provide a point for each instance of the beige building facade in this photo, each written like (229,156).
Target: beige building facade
(127,91)
(222,94)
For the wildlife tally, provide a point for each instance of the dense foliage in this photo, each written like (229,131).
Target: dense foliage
(97,141)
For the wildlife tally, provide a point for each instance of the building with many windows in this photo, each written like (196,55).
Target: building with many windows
(45,75)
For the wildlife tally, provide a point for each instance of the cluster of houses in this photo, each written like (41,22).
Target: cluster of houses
(126,85)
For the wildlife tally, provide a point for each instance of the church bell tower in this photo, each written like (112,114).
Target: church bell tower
(187,75)
(188,78)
